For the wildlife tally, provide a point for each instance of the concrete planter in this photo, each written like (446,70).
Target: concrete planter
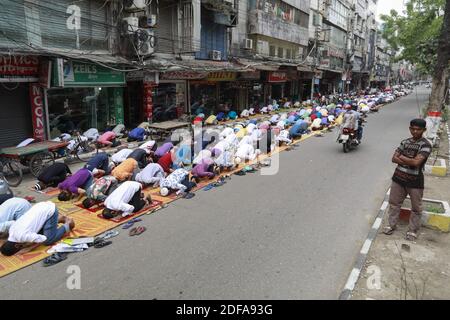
(439,221)
(439,169)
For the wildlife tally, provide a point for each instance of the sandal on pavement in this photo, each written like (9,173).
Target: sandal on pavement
(411,236)
(109,234)
(189,195)
(102,243)
(137,230)
(55,258)
(388,230)
(130,223)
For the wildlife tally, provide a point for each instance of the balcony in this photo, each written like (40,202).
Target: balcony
(267,25)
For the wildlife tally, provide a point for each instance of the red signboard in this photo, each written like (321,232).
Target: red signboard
(37,111)
(277,77)
(148,100)
(19,65)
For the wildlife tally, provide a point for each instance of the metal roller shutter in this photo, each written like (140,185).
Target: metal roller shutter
(15,114)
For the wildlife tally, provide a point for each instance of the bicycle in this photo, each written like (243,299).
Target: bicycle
(11,172)
(81,145)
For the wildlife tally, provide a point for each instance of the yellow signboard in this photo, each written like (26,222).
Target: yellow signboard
(221,76)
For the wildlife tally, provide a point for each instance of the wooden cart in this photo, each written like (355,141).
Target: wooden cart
(36,156)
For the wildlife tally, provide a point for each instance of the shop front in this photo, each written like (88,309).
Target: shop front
(250,86)
(87,96)
(214,93)
(21,108)
(276,81)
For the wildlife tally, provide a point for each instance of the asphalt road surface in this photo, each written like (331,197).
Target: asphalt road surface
(292,235)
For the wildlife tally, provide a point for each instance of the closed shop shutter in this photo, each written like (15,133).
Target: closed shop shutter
(15,114)
(164,36)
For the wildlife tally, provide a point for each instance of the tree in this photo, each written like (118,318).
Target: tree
(421,36)
(441,69)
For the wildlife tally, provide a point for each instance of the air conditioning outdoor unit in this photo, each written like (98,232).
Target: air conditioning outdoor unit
(248,44)
(144,41)
(130,25)
(215,55)
(134,5)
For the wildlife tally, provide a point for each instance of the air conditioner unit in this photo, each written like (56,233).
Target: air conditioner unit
(144,41)
(147,21)
(248,44)
(263,48)
(134,5)
(130,25)
(215,55)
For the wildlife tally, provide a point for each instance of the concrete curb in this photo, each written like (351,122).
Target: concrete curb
(437,170)
(448,134)
(436,221)
(346,293)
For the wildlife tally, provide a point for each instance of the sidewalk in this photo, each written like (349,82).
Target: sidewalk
(399,269)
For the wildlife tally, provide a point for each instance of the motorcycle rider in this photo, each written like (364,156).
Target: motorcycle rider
(350,121)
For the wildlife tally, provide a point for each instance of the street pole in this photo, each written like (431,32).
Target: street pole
(316,51)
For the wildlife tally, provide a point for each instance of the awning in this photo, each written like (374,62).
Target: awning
(252,65)
(331,70)
(204,65)
(304,69)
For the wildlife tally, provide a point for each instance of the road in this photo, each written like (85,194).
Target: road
(293,235)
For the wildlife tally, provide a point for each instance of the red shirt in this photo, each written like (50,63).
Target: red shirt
(197,120)
(313,116)
(166,162)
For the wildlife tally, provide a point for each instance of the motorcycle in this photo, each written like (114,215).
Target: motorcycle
(348,139)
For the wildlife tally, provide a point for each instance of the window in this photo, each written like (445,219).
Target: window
(272,51)
(288,54)
(280,52)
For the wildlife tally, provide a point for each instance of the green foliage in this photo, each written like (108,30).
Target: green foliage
(416,32)
(434,209)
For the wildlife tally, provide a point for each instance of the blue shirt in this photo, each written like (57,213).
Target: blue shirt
(100,161)
(232,115)
(137,133)
(11,210)
(220,116)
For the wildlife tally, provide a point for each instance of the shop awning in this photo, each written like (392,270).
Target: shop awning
(331,70)
(252,65)
(304,69)
(205,65)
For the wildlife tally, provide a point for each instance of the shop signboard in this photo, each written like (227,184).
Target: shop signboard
(86,74)
(277,76)
(183,75)
(37,111)
(222,76)
(19,68)
(318,74)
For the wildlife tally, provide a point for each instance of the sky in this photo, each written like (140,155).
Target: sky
(385,6)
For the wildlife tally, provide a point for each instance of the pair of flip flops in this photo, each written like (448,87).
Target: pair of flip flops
(137,231)
(130,223)
(54,259)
